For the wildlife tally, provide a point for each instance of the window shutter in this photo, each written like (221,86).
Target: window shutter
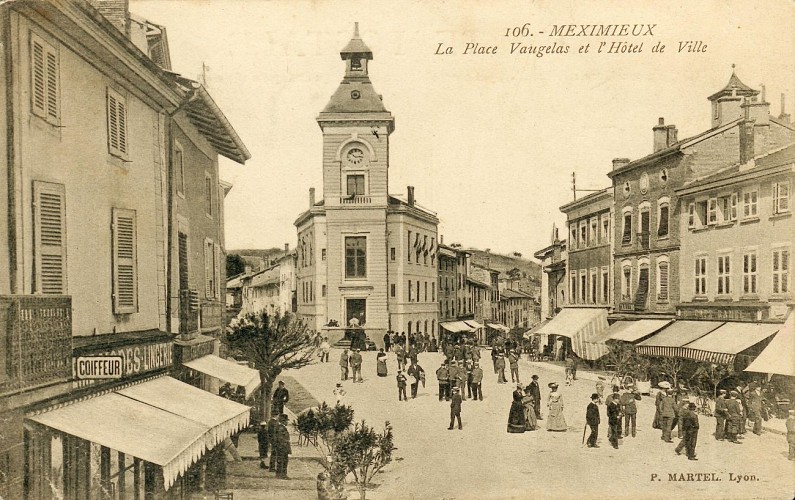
(125,267)
(121,107)
(117,123)
(49,237)
(217,270)
(113,123)
(38,77)
(662,230)
(208,268)
(52,84)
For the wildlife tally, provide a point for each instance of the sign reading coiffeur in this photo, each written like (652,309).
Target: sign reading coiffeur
(99,367)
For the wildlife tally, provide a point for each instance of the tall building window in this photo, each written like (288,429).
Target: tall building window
(573,242)
(408,248)
(117,123)
(727,205)
(573,287)
(125,262)
(583,233)
(44,80)
(691,215)
(712,213)
(605,228)
(750,199)
(356,185)
(355,256)
(594,231)
(392,253)
(626,237)
(426,291)
(179,170)
(724,274)
(662,281)
(49,237)
(594,286)
(749,272)
(418,290)
(208,194)
(605,285)
(700,276)
(583,286)
(392,289)
(411,291)
(433,291)
(662,221)
(781,270)
(323,254)
(781,197)
(626,281)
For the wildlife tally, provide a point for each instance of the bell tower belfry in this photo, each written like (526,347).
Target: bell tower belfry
(356,128)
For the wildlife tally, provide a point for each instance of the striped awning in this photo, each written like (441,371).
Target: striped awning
(777,356)
(227,371)
(722,345)
(583,326)
(633,331)
(474,324)
(670,341)
(456,327)
(500,327)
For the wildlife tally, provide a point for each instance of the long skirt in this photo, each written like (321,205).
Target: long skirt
(555,420)
(380,367)
(530,421)
(516,420)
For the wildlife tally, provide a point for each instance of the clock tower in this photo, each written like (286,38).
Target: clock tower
(356,128)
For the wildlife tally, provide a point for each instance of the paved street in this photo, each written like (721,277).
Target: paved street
(484,461)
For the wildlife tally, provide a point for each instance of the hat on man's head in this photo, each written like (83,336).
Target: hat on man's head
(339,384)
(722,391)
(594,396)
(283,417)
(691,406)
(534,377)
(734,393)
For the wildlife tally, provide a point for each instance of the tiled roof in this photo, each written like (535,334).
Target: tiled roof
(734,84)
(776,158)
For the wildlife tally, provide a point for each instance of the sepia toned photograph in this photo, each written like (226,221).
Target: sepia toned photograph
(338,249)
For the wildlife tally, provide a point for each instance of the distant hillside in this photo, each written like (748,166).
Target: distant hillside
(258,258)
(505,263)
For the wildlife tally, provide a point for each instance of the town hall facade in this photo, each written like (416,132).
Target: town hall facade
(363,255)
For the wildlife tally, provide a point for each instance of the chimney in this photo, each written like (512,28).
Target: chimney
(117,12)
(311,198)
(784,116)
(286,248)
(441,239)
(660,135)
(410,190)
(619,162)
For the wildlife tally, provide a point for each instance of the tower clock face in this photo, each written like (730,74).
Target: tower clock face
(355,156)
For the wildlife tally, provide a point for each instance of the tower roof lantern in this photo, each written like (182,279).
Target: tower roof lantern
(356,46)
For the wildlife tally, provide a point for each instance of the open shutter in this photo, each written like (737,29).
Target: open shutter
(125,268)
(113,123)
(117,123)
(52,84)
(217,270)
(49,226)
(38,77)
(121,111)
(208,247)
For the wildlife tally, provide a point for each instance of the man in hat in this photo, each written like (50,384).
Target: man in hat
(592,418)
(720,415)
(461,379)
(387,340)
(356,364)
(513,362)
(452,374)
(262,443)
(273,423)
(689,424)
(734,415)
(755,407)
(325,348)
(614,419)
(535,391)
(415,373)
(280,398)
(455,408)
(442,376)
(401,384)
(630,409)
(667,414)
(282,447)
(477,381)
(344,365)
(339,393)
(501,369)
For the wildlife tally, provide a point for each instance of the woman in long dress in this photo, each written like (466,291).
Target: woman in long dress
(516,418)
(555,420)
(528,402)
(380,363)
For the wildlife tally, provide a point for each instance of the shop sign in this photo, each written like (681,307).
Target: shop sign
(135,359)
(99,367)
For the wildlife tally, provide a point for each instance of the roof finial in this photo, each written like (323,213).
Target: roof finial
(356,30)
(732,65)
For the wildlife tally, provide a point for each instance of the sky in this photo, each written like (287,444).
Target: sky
(488,140)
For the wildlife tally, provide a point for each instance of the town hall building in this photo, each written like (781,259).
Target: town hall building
(364,256)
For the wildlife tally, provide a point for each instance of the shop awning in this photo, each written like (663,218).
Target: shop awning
(777,356)
(162,421)
(227,371)
(583,326)
(474,324)
(670,341)
(499,326)
(456,326)
(636,330)
(721,345)
(529,333)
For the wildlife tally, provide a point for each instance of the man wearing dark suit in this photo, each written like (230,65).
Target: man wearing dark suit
(667,414)
(755,408)
(535,391)
(415,373)
(734,416)
(630,409)
(444,386)
(720,415)
(262,443)
(273,423)
(592,418)
(283,447)
(614,419)
(477,381)
(689,425)
(455,408)
(280,398)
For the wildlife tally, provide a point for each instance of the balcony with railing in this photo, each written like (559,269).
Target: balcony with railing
(35,341)
(356,200)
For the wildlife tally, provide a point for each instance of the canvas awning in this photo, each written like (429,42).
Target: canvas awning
(227,371)
(529,333)
(474,324)
(670,341)
(499,326)
(723,344)
(633,331)
(583,326)
(456,327)
(162,421)
(777,357)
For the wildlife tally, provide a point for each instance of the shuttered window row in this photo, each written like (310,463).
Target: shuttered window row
(49,226)
(45,98)
(125,266)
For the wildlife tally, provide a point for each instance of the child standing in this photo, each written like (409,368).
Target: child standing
(401,383)
(339,393)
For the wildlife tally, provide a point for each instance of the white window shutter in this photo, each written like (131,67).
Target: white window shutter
(121,106)
(38,77)
(113,123)
(125,267)
(49,226)
(217,270)
(52,84)
(117,123)
(208,268)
